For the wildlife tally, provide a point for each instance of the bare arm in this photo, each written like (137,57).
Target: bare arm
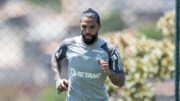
(113,68)
(56,59)
(117,79)
(55,68)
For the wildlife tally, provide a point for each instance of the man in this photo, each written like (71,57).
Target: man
(90,60)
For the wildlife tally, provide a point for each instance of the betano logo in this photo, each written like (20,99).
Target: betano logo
(75,73)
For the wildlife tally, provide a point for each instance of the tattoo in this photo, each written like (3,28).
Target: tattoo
(117,79)
(56,68)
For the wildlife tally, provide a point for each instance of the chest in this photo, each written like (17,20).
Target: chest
(85,59)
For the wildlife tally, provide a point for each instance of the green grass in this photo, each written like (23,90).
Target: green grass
(50,94)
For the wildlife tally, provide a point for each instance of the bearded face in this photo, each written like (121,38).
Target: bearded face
(89,30)
(89,38)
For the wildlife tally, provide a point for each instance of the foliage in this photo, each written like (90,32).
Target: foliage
(113,21)
(144,60)
(167,24)
(151,31)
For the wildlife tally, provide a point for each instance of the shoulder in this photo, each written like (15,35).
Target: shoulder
(67,41)
(107,46)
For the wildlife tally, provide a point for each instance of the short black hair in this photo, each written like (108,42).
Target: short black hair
(91,13)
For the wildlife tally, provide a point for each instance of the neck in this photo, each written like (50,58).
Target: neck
(89,45)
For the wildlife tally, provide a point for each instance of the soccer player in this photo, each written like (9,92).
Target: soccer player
(90,60)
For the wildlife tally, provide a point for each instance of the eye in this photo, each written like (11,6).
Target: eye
(92,27)
(84,27)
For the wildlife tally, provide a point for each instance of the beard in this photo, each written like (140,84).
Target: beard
(89,41)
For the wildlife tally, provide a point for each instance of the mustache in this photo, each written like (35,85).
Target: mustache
(89,41)
(88,34)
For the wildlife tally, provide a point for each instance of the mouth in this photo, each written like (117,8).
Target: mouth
(88,37)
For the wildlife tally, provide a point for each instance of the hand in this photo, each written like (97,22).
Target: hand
(60,85)
(104,66)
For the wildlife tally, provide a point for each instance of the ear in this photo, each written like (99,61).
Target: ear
(99,26)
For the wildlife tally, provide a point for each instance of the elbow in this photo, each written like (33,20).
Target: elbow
(121,82)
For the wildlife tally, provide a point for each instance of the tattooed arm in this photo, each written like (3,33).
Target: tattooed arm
(56,59)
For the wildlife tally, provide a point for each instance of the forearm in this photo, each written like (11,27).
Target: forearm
(117,79)
(55,68)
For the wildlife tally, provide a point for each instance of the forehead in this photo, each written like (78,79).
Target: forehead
(88,20)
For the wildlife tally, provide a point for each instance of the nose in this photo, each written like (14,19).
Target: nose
(87,30)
